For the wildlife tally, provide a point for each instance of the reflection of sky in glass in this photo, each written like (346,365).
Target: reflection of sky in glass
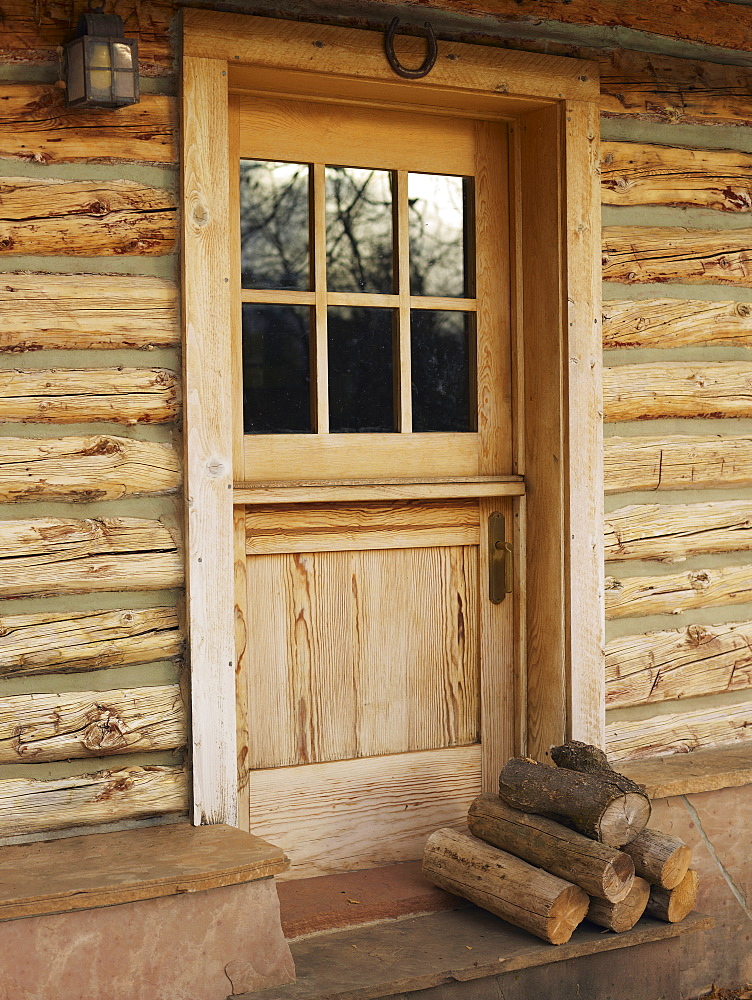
(437,234)
(358,230)
(274,224)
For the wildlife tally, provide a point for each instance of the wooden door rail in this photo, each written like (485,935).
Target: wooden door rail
(384,489)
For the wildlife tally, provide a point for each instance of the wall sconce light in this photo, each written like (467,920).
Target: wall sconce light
(101,63)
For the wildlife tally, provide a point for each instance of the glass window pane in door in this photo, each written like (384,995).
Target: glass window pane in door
(358,230)
(274,228)
(442,352)
(276,369)
(439,214)
(361,367)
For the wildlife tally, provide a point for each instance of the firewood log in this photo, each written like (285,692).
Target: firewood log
(593,804)
(623,915)
(525,896)
(599,870)
(659,858)
(587,759)
(673,905)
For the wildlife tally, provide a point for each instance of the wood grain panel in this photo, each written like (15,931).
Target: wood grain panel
(87,311)
(665,323)
(73,641)
(96,467)
(665,89)
(324,528)
(28,805)
(635,254)
(45,727)
(85,218)
(677,462)
(362,813)
(49,556)
(61,396)
(639,173)
(679,732)
(355,654)
(632,596)
(678,663)
(39,127)
(672,532)
(677,389)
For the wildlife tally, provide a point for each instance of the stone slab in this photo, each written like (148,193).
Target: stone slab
(104,869)
(328,902)
(193,946)
(419,953)
(699,771)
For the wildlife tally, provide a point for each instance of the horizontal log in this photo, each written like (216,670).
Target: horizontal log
(525,896)
(632,596)
(622,915)
(97,467)
(87,311)
(43,727)
(30,806)
(635,254)
(714,389)
(85,218)
(673,905)
(660,858)
(50,556)
(678,663)
(62,396)
(87,640)
(668,323)
(665,89)
(599,870)
(676,462)
(674,531)
(678,732)
(640,173)
(38,126)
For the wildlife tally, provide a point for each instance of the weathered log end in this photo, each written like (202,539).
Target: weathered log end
(673,905)
(622,915)
(623,819)
(659,858)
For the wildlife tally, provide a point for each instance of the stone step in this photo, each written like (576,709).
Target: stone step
(469,954)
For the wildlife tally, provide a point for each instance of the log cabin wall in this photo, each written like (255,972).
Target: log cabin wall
(92,720)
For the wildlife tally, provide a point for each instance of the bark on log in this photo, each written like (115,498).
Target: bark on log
(633,596)
(679,732)
(666,323)
(659,858)
(43,727)
(676,389)
(677,462)
(676,531)
(673,905)
(28,805)
(640,173)
(85,218)
(681,663)
(624,914)
(599,870)
(63,396)
(72,641)
(38,126)
(594,805)
(87,311)
(84,469)
(588,759)
(635,254)
(49,556)
(525,896)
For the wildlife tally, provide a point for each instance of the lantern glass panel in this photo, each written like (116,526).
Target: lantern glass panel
(100,84)
(99,53)
(122,56)
(76,79)
(123,84)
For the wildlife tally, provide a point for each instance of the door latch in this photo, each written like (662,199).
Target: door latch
(500,559)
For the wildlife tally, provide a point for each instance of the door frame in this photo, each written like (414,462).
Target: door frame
(551,105)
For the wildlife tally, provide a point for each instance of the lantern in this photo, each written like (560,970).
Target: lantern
(101,64)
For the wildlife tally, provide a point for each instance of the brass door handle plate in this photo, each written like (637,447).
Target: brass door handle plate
(500,559)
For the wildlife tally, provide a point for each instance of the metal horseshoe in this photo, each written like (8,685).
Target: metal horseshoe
(428,63)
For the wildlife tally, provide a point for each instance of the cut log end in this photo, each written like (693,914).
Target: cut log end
(618,878)
(659,858)
(566,914)
(673,905)
(623,819)
(676,867)
(623,915)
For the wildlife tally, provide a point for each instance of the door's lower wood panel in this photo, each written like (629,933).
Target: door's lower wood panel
(356,654)
(352,814)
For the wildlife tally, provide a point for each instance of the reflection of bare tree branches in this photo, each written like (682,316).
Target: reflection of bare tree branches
(274,224)
(359,230)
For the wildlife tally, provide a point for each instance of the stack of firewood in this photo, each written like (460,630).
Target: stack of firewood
(559,844)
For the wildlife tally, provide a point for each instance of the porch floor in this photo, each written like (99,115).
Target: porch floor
(438,951)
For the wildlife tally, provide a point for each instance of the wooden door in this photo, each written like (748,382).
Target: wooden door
(376,690)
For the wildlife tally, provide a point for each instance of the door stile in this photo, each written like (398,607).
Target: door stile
(320,344)
(403,368)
